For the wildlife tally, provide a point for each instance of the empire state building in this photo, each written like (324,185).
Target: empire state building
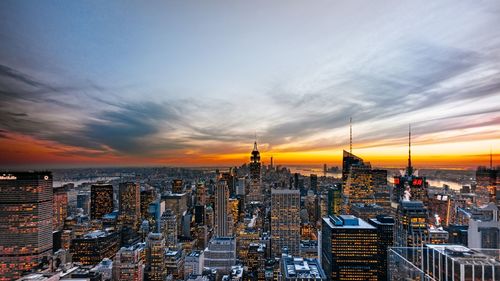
(255,193)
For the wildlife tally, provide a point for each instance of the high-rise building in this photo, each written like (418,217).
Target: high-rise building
(411,224)
(155,257)
(256,261)
(285,221)
(130,205)
(220,254)
(223,219)
(410,186)
(128,263)
(101,197)
(349,160)
(26,221)
(168,227)
(255,192)
(94,246)
(385,231)
(177,202)
(350,249)
(59,208)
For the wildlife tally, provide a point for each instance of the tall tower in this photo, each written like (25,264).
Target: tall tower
(130,207)
(409,169)
(155,257)
(222,213)
(26,224)
(255,193)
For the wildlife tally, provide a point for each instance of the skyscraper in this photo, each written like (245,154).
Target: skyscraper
(411,224)
(177,186)
(168,227)
(285,221)
(101,198)
(130,207)
(349,249)
(155,257)
(385,232)
(410,184)
(26,224)
(222,211)
(59,207)
(255,193)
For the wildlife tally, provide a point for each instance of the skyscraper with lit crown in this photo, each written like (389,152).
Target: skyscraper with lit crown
(255,192)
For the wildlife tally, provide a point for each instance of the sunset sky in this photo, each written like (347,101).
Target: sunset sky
(190,83)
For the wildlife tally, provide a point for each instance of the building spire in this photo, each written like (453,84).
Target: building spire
(350,135)
(410,168)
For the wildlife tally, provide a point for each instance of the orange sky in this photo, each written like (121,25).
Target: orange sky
(23,151)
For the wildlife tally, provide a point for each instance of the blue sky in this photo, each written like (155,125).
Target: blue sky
(183,79)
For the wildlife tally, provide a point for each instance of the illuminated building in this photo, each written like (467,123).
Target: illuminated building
(256,260)
(417,186)
(193,263)
(128,264)
(234,210)
(349,249)
(244,238)
(168,228)
(95,246)
(59,207)
(255,192)
(155,258)
(285,221)
(148,196)
(155,211)
(101,198)
(411,224)
(299,268)
(177,186)
(26,224)
(349,160)
(174,264)
(223,223)
(220,254)
(445,262)
(130,205)
(385,231)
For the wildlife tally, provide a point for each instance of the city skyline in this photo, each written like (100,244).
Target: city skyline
(180,84)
